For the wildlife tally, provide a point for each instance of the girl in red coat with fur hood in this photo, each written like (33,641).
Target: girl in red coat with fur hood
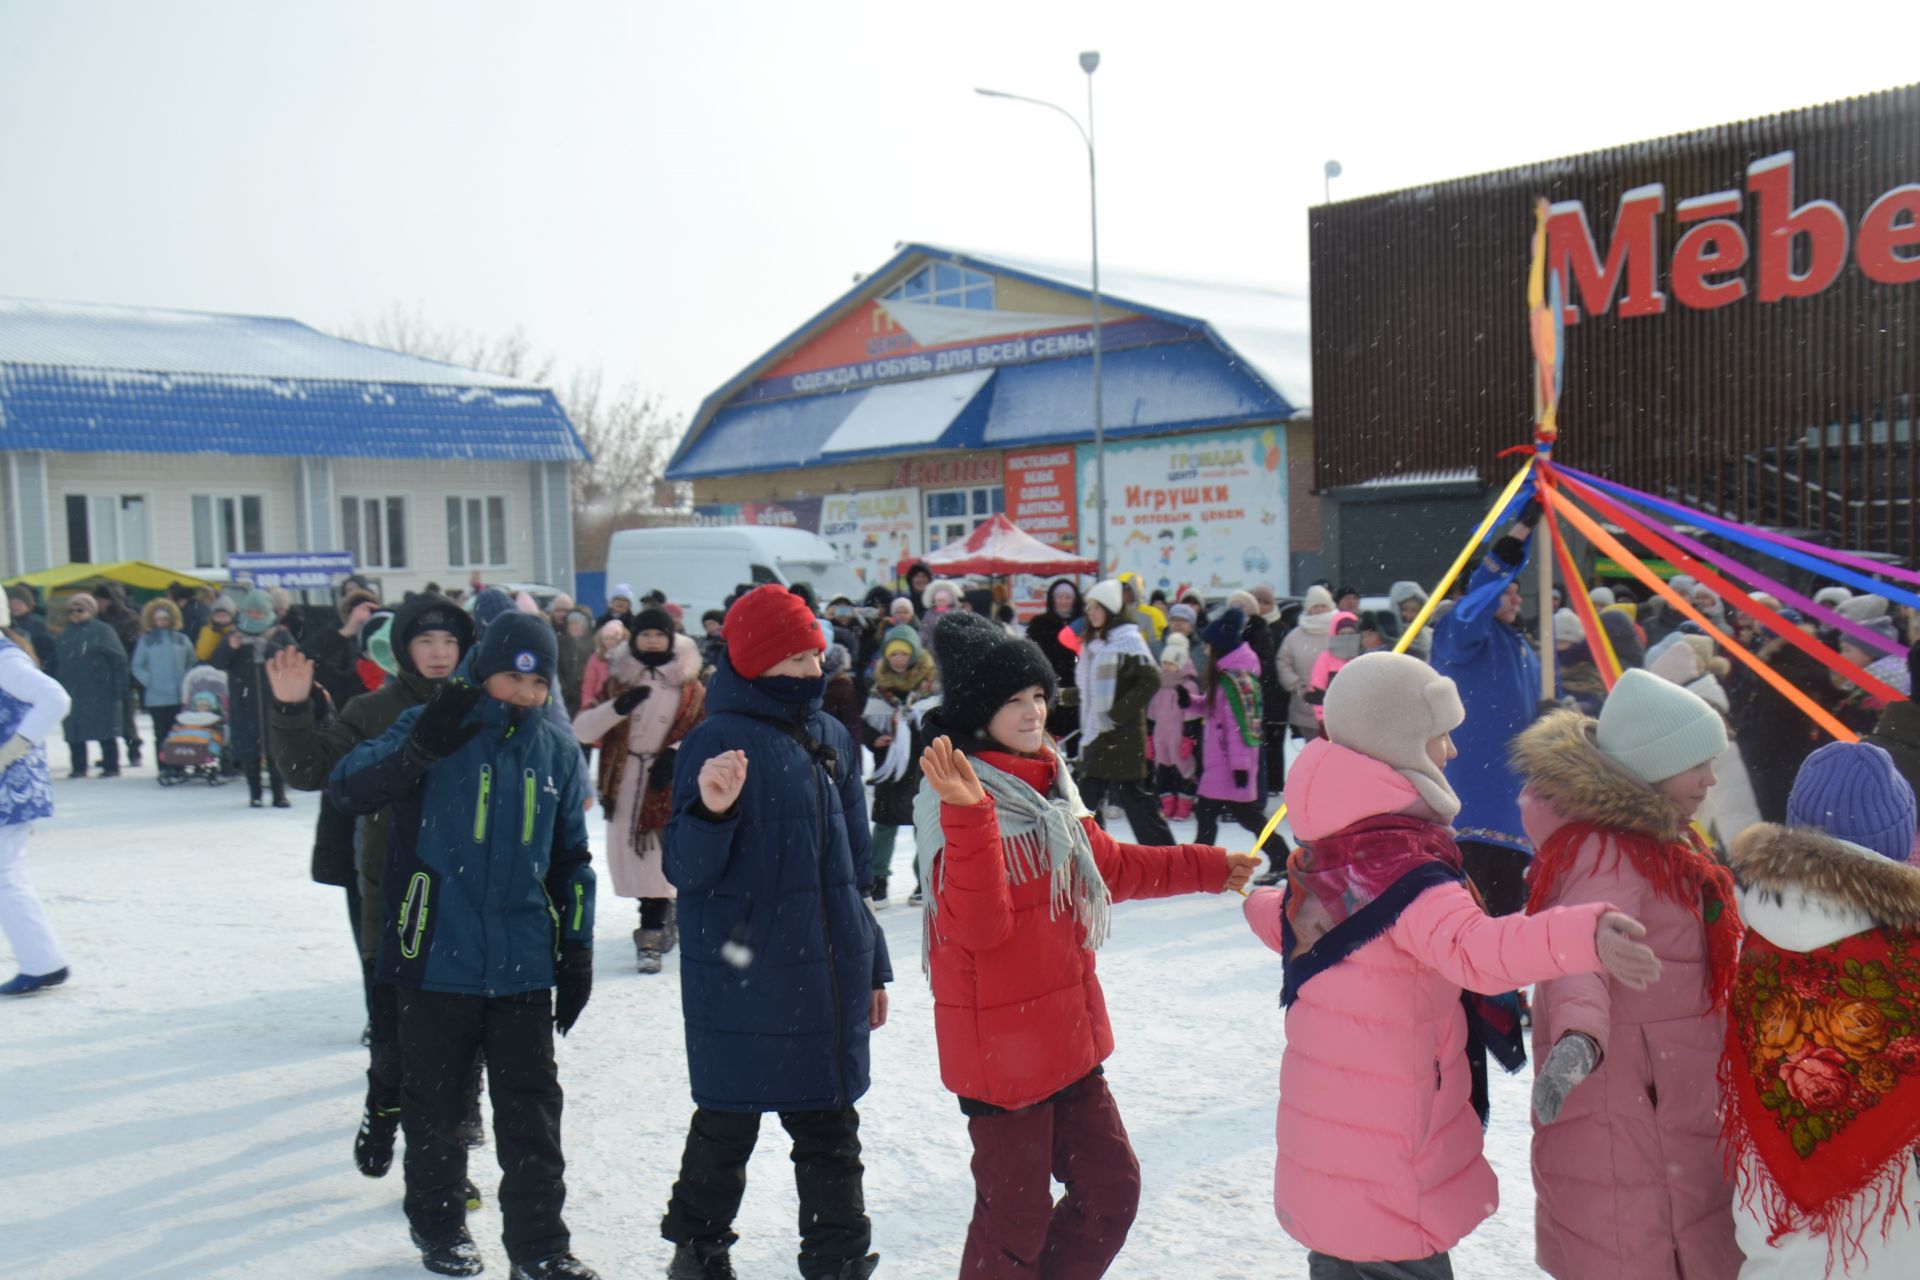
(1020,881)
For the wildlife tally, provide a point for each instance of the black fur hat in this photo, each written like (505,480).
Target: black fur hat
(981,666)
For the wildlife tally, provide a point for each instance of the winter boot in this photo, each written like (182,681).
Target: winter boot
(1276,866)
(373,1145)
(1169,805)
(454,1254)
(672,926)
(647,947)
(25,984)
(879,894)
(1183,809)
(703,1260)
(558,1266)
(851,1269)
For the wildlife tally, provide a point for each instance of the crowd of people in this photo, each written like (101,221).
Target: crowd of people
(1725,1011)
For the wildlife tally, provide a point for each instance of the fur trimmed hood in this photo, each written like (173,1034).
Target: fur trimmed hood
(1781,863)
(1563,768)
(628,670)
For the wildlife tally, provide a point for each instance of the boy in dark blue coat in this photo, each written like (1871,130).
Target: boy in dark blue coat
(783,969)
(489,903)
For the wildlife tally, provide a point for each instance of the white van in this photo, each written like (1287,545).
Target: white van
(698,568)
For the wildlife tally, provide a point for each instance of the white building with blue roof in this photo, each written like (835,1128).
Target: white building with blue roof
(950,385)
(182,437)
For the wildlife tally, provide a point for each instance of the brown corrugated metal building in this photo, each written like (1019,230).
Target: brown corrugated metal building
(1743,335)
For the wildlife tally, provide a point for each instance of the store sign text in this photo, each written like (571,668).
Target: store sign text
(1802,249)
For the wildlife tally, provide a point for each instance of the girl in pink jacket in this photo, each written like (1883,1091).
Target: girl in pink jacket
(1393,980)
(1627,1170)
(1173,724)
(1230,782)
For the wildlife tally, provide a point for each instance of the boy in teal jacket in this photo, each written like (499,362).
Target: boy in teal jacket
(489,904)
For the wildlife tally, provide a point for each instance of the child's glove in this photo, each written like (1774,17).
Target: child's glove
(660,772)
(16,747)
(1239,779)
(442,729)
(626,702)
(1633,962)
(1181,696)
(1573,1059)
(573,975)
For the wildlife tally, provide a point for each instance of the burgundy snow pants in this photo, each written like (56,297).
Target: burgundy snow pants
(1017,1230)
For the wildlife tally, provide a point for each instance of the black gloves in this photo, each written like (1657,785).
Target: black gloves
(660,772)
(626,702)
(1530,514)
(573,975)
(441,729)
(1181,696)
(1510,551)
(1239,779)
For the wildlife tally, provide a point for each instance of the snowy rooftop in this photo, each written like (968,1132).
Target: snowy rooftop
(85,378)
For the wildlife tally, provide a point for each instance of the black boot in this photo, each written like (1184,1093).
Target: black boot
(558,1266)
(373,1145)
(703,1260)
(851,1269)
(1276,866)
(454,1254)
(879,894)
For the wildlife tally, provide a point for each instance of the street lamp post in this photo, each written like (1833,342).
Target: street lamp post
(1089,63)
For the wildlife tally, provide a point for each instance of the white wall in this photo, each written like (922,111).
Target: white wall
(169,481)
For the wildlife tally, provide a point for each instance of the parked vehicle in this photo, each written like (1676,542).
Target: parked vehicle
(698,568)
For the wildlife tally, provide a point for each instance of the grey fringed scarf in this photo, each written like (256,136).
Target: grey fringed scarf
(1040,835)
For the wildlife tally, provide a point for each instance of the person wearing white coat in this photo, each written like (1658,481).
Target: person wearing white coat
(32,705)
(653,697)
(1821,1081)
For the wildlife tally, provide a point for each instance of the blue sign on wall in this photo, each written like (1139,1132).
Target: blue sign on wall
(295,571)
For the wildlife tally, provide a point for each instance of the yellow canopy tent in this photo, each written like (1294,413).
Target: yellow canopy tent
(144,580)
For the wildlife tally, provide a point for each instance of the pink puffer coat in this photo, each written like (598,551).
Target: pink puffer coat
(1379,1147)
(1629,1180)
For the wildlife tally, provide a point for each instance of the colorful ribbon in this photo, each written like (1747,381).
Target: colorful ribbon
(1602,648)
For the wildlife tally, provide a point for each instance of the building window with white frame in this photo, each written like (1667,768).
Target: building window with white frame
(373,528)
(946,284)
(224,523)
(952,514)
(476,532)
(103,528)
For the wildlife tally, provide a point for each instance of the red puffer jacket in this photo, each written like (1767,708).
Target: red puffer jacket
(1018,1012)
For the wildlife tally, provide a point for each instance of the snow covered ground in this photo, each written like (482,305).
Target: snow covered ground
(185,1107)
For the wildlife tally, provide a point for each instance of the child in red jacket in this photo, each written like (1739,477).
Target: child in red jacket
(1020,881)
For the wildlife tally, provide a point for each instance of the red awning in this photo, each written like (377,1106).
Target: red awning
(1002,547)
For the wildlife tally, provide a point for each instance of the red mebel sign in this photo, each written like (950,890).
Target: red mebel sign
(1802,248)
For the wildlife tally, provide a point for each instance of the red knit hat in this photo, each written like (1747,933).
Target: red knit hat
(767,626)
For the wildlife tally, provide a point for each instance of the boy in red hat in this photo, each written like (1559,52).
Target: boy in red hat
(782,969)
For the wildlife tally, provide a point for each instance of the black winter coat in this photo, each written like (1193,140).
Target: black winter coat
(93,667)
(248,697)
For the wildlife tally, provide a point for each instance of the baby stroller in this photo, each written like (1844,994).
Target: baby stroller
(199,738)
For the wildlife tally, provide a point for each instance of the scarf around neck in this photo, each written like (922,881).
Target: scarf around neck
(1316,624)
(1098,675)
(1348,889)
(1039,836)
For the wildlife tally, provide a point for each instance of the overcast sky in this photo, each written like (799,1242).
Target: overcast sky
(666,189)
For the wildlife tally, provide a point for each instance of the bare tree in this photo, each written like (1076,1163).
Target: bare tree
(628,433)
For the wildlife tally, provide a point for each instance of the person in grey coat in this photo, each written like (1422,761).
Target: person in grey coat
(93,669)
(161,659)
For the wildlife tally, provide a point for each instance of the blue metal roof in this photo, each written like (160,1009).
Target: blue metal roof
(1246,363)
(1170,387)
(90,379)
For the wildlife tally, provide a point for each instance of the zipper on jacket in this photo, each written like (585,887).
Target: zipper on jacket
(529,801)
(419,891)
(555,916)
(579,905)
(480,808)
(826,928)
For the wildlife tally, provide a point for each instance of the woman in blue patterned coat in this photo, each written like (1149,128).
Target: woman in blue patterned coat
(32,705)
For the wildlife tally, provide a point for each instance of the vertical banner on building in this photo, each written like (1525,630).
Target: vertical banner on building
(1203,511)
(1040,499)
(878,533)
(794,513)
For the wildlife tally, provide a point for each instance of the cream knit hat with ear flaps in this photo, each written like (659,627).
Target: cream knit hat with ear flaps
(1317,595)
(1656,730)
(1388,706)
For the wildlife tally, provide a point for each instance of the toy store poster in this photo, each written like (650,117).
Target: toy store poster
(877,532)
(1206,511)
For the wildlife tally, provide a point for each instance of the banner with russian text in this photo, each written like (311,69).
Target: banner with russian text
(1040,489)
(876,532)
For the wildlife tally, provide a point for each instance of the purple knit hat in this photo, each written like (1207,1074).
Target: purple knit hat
(1851,791)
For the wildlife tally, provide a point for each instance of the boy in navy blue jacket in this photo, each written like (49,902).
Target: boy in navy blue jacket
(489,906)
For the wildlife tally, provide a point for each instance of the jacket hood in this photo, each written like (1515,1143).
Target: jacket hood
(1046,601)
(157,607)
(625,667)
(1240,659)
(1565,770)
(731,691)
(1802,889)
(1329,788)
(409,613)
(918,672)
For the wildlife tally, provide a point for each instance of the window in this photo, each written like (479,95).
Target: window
(476,532)
(945,285)
(374,529)
(105,527)
(224,524)
(952,514)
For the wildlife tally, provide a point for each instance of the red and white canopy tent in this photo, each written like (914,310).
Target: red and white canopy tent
(1001,548)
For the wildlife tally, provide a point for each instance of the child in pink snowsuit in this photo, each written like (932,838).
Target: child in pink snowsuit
(1385,946)
(1343,646)
(1173,721)
(1230,781)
